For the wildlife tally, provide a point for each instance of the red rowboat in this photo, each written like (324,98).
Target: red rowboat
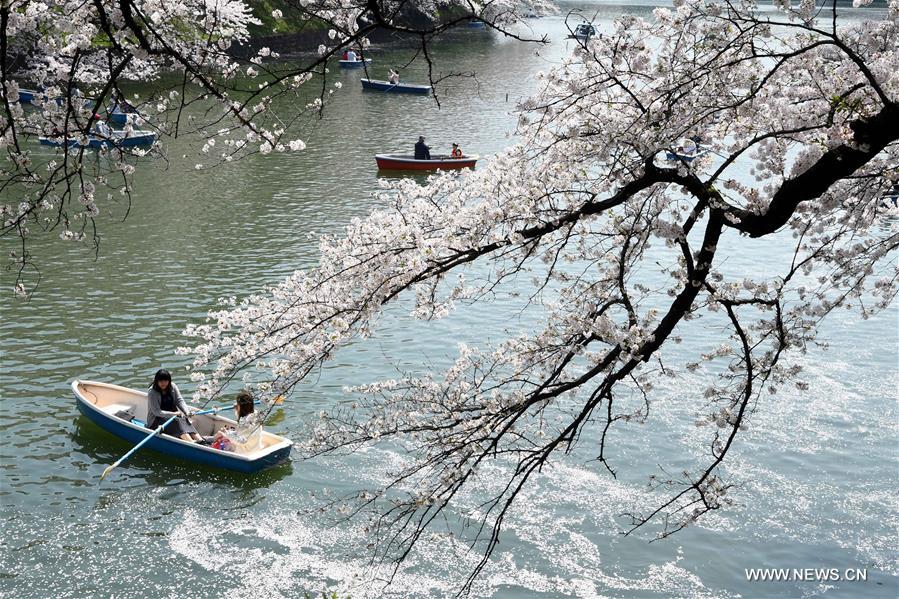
(406,162)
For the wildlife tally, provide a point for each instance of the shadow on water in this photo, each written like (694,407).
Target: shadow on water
(157,469)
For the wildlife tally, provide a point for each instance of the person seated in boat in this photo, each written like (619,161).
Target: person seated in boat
(393,77)
(457,152)
(120,104)
(246,437)
(422,152)
(100,128)
(688,147)
(351,56)
(345,55)
(164,401)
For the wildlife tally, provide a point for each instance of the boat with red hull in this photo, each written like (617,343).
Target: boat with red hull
(407,162)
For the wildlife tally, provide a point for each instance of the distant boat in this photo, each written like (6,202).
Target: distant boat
(116,139)
(583,32)
(891,198)
(477,25)
(28,96)
(120,115)
(687,151)
(406,162)
(354,64)
(123,412)
(401,88)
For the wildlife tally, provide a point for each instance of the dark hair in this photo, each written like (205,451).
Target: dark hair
(162,375)
(244,403)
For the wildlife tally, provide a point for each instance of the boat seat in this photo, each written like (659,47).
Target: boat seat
(115,408)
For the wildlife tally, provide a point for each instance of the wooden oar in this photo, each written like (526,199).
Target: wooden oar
(277,401)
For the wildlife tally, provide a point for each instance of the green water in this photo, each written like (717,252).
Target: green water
(817,472)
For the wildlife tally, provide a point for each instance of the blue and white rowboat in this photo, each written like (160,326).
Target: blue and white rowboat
(400,88)
(116,139)
(101,402)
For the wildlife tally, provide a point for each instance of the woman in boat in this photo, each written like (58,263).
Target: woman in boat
(164,401)
(457,151)
(246,437)
(393,77)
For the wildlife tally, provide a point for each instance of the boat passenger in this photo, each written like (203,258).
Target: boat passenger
(345,54)
(393,77)
(351,56)
(164,401)
(457,152)
(689,147)
(101,129)
(120,104)
(246,437)
(422,152)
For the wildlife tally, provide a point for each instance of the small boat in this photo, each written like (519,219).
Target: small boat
(477,25)
(406,162)
(401,88)
(28,95)
(687,151)
(116,139)
(890,199)
(122,115)
(354,64)
(122,412)
(583,32)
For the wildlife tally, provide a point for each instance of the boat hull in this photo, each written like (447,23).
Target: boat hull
(397,88)
(409,163)
(354,64)
(688,158)
(176,448)
(95,143)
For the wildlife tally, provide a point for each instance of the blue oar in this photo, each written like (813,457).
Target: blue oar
(158,430)
(277,401)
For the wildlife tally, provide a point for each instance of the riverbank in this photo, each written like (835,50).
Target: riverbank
(293,33)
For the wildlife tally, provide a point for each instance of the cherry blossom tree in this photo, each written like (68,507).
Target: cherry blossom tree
(77,55)
(800,116)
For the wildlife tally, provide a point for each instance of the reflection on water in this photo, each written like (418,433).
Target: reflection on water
(816,484)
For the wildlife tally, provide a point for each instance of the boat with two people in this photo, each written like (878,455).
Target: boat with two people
(123,412)
(351,60)
(406,162)
(583,32)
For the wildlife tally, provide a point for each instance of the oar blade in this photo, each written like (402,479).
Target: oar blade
(108,470)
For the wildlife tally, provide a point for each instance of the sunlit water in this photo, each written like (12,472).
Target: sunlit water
(816,472)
